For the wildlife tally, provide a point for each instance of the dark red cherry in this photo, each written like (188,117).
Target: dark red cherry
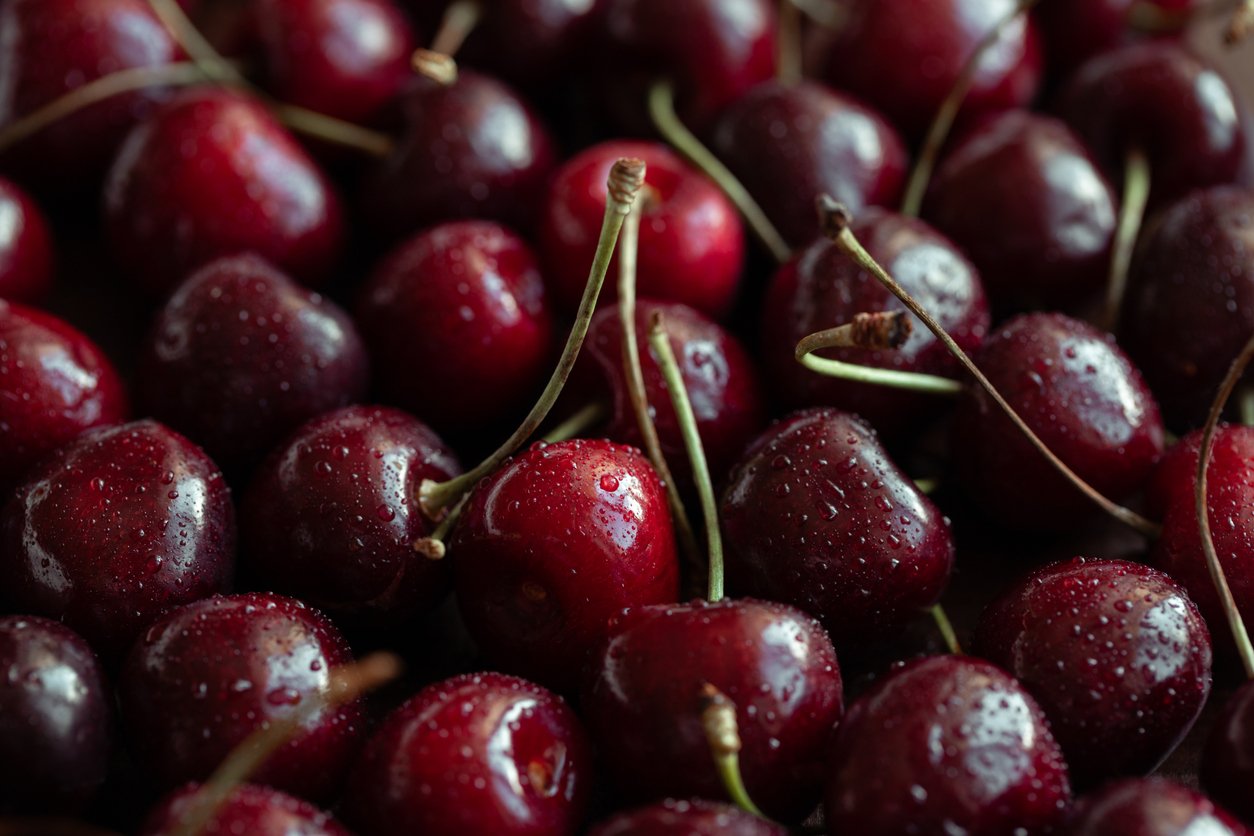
(1227,768)
(114,530)
(533,43)
(1082,396)
(1152,807)
(54,384)
(555,544)
(1025,200)
(818,516)
(240,356)
(1076,30)
(1172,105)
(691,242)
(946,744)
(479,753)
(687,818)
(1115,652)
(330,516)
(26,259)
(206,676)
(472,149)
(458,325)
(55,718)
(251,809)
(345,58)
(903,57)
(821,287)
(643,700)
(789,142)
(212,173)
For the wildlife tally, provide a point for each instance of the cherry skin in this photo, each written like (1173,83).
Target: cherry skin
(1152,807)
(552,546)
(687,818)
(459,302)
(240,355)
(903,57)
(946,744)
(198,682)
(55,718)
(330,515)
(54,385)
(26,259)
(788,141)
(691,242)
(1115,652)
(212,173)
(1025,200)
(643,700)
(1076,30)
(250,808)
(478,753)
(1082,396)
(1227,767)
(818,516)
(114,530)
(533,43)
(821,287)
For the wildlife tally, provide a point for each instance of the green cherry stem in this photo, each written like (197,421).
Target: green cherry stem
(722,733)
(946,628)
(1247,406)
(578,423)
(459,20)
(1136,188)
(788,69)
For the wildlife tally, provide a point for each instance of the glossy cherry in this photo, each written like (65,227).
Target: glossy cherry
(240,355)
(1227,767)
(1076,30)
(1025,200)
(114,530)
(54,385)
(26,259)
(1116,654)
(459,326)
(1152,807)
(691,242)
(817,515)
(55,718)
(789,142)
(206,676)
(479,753)
(687,818)
(552,546)
(250,808)
(212,173)
(330,516)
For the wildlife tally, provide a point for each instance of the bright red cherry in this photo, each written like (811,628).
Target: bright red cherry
(212,173)
(687,818)
(479,753)
(691,242)
(555,544)
(1227,768)
(251,809)
(114,530)
(26,259)
(1115,652)
(1152,807)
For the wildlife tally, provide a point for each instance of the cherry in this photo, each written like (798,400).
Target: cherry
(787,142)
(210,174)
(478,753)
(691,243)
(54,384)
(1115,652)
(115,529)
(903,57)
(687,818)
(1024,199)
(554,544)
(1151,807)
(330,515)
(460,302)
(240,355)
(1227,767)
(256,810)
(1076,30)
(26,259)
(532,42)
(946,744)
(818,516)
(643,700)
(821,287)
(55,718)
(199,681)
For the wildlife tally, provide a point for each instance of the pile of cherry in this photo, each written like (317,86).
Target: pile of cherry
(338,249)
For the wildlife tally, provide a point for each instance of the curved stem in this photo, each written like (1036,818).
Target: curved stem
(1202,510)
(625,180)
(460,19)
(337,131)
(788,33)
(946,629)
(722,733)
(591,415)
(173,17)
(1136,187)
(870,331)
(943,121)
(1247,406)
(835,220)
(668,124)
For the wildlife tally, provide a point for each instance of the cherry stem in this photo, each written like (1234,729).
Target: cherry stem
(722,733)
(872,331)
(586,418)
(460,19)
(625,180)
(1201,509)
(1247,406)
(946,628)
(835,220)
(927,485)
(347,683)
(1136,188)
(788,70)
(673,130)
(943,121)
(437,66)
(433,545)
(1240,24)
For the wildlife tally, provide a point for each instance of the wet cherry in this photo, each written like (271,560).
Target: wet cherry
(1151,807)
(252,809)
(26,259)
